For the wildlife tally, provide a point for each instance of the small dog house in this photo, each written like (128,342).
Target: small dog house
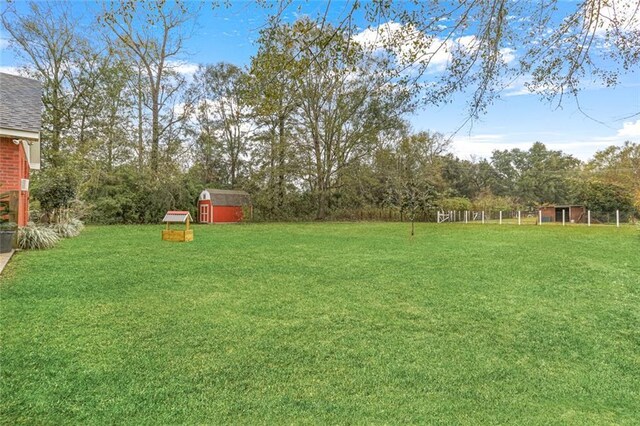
(177,216)
(222,206)
(572,213)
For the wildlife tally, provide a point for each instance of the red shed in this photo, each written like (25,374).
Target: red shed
(572,213)
(222,206)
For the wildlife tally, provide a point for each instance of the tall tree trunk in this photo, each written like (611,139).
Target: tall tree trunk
(140,138)
(155,132)
(56,128)
(281,161)
(320,179)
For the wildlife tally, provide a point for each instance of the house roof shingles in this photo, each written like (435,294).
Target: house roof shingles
(20,103)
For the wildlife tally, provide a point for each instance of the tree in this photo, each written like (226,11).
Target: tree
(220,107)
(421,154)
(104,126)
(272,94)
(342,106)
(535,176)
(617,164)
(411,197)
(55,189)
(603,197)
(60,57)
(415,176)
(154,46)
(472,45)
(468,178)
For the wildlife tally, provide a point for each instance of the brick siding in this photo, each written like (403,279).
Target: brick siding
(13,167)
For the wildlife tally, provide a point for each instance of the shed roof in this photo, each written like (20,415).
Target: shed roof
(179,216)
(20,103)
(561,206)
(227,197)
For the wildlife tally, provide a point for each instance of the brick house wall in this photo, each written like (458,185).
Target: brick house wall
(14,167)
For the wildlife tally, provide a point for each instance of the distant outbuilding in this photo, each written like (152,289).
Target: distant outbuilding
(222,206)
(572,213)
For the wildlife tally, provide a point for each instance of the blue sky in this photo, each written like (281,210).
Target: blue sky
(516,120)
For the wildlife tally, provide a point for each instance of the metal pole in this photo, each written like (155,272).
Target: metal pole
(588,217)
(483,216)
(466,216)
(562,217)
(500,217)
(618,218)
(539,217)
(519,221)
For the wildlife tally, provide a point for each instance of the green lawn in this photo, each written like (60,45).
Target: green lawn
(325,323)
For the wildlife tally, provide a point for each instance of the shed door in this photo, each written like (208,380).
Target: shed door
(204,213)
(559,214)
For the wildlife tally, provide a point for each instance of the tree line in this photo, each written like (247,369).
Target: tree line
(315,127)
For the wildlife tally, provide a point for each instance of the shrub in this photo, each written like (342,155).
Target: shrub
(55,190)
(33,237)
(606,197)
(455,203)
(65,230)
(492,202)
(77,223)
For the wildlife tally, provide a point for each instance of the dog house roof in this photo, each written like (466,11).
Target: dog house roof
(177,216)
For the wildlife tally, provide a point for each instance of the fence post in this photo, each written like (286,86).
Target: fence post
(618,218)
(466,216)
(588,217)
(519,220)
(500,217)
(482,216)
(563,217)
(539,217)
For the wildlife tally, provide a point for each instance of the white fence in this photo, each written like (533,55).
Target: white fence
(535,217)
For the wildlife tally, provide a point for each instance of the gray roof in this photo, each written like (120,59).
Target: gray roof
(227,197)
(178,216)
(20,103)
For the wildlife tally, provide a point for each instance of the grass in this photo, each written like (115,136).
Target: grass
(325,323)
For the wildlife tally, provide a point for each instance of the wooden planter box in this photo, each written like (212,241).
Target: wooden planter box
(177,235)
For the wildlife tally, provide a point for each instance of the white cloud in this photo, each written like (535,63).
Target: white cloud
(375,38)
(483,145)
(411,45)
(183,67)
(630,129)
(480,145)
(518,87)
(508,54)
(4,43)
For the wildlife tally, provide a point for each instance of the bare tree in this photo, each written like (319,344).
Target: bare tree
(154,35)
